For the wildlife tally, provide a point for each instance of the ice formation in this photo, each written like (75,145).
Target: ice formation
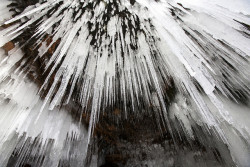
(187,61)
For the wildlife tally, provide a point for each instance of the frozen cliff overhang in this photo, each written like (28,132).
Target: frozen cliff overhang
(179,66)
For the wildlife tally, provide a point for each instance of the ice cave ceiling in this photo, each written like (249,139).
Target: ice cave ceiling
(124,83)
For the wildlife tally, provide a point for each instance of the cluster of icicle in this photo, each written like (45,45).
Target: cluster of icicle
(128,57)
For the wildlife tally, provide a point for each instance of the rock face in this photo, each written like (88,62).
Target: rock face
(140,141)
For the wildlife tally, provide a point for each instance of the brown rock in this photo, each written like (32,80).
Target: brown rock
(8,46)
